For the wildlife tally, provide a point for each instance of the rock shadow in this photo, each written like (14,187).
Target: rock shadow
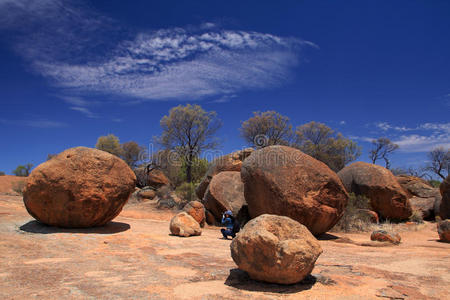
(327,237)
(240,280)
(109,228)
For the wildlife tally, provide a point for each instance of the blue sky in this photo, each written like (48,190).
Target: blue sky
(72,71)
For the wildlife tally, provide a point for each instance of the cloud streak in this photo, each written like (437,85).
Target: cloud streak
(174,63)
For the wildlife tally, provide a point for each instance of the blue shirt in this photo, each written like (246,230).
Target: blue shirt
(227,222)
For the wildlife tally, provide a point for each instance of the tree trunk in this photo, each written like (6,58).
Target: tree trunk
(189,168)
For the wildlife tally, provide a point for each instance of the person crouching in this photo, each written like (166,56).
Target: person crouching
(228,222)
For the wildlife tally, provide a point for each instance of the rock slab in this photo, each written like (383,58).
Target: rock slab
(275,249)
(284,181)
(80,187)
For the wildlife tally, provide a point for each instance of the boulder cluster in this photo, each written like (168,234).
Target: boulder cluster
(282,196)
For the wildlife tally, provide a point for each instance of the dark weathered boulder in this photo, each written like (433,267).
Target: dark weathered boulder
(378,184)
(229,162)
(225,192)
(444,209)
(423,195)
(275,249)
(80,187)
(284,181)
(443,228)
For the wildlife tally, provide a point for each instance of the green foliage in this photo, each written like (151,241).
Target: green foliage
(109,143)
(131,153)
(434,183)
(353,219)
(266,129)
(189,130)
(2,173)
(23,170)
(324,144)
(186,191)
(198,169)
(382,147)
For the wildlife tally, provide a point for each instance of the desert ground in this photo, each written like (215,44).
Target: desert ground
(135,257)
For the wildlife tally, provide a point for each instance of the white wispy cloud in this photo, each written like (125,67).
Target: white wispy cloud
(423,138)
(84,111)
(172,63)
(386,126)
(40,123)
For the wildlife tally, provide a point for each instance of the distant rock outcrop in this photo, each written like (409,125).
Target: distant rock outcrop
(157,179)
(386,195)
(444,210)
(229,162)
(184,225)
(424,197)
(196,210)
(275,249)
(80,187)
(225,192)
(284,181)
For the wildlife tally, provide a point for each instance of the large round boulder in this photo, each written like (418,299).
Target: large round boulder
(284,181)
(423,195)
(378,184)
(80,187)
(196,210)
(275,249)
(225,192)
(229,162)
(444,209)
(184,225)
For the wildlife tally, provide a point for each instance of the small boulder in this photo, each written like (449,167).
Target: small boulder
(196,210)
(80,187)
(284,181)
(378,184)
(384,236)
(225,192)
(275,249)
(444,209)
(229,162)
(443,228)
(147,194)
(184,225)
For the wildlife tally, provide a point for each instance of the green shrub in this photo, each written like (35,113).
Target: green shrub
(355,220)
(434,183)
(186,191)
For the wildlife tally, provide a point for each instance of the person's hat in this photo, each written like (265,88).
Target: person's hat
(228,212)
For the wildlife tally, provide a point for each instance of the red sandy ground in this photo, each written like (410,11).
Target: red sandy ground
(134,257)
